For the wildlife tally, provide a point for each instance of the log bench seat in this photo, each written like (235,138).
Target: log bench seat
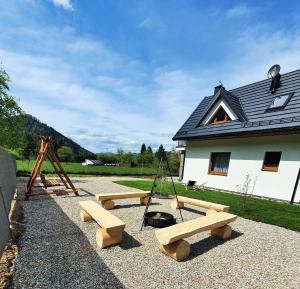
(211,207)
(112,228)
(172,241)
(108,203)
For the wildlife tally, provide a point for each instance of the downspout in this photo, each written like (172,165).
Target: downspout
(295,188)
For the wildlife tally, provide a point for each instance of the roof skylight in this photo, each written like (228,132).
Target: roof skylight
(280,101)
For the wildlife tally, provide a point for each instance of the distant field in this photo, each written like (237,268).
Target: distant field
(77,168)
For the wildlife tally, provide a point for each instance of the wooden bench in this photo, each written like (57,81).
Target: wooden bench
(211,207)
(108,203)
(111,227)
(172,241)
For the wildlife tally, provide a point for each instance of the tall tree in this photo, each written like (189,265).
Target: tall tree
(11,116)
(159,152)
(149,155)
(143,149)
(149,150)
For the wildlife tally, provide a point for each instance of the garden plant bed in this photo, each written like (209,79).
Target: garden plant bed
(257,256)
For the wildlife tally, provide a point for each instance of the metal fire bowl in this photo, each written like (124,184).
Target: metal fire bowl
(164,220)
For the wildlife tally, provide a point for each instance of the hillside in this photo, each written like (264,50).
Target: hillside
(37,129)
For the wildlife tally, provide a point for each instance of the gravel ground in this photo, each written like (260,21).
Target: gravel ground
(60,251)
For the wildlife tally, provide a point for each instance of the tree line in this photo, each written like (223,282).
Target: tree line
(145,158)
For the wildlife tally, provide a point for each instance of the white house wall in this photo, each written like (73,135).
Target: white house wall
(247,155)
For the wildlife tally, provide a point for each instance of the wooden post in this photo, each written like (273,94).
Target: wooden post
(106,238)
(176,205)
(222,232)
(144,200)
(84,216)
(108,204)
(178,250)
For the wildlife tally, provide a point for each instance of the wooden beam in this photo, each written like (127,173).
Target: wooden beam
(125,195)
(178,250)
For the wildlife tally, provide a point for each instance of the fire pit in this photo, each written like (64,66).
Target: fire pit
(159,219)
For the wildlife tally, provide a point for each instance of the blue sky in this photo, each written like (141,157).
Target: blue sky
(112,74)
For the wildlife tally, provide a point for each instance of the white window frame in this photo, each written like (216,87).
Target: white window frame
(214,109)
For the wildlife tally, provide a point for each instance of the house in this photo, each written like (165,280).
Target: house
(251,131)
(92,163)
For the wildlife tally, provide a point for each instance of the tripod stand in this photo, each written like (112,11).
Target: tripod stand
(163,159)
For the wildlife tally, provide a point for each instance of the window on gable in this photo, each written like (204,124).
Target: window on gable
(219,164)
(280,101)
(271,161)
(220,116)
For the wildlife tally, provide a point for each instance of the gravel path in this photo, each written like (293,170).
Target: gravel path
(59,251)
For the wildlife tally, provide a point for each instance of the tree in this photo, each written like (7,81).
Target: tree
(174,161)
(29,147)
(159,152)
(149,156)
(11,116)
(107,158)
(65,154)
(143,149)
(120,156)
(61,142)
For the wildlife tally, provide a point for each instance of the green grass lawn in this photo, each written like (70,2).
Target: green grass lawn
(77,168)
(267,211)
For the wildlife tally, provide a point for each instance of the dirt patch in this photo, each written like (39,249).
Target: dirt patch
(11,249)
(6,266)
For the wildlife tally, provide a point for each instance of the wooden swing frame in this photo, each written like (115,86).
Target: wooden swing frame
(46,151)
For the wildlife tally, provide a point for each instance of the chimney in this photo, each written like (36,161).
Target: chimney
(218,87)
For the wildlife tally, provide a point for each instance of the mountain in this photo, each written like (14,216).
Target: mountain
(38,129)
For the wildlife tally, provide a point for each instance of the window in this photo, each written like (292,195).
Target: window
(280,101)
(271,161)
(221,116)
(219,163)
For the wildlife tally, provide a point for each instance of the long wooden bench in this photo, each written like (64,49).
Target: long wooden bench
(172,241)
(111,227)
(211,207)
(108,203)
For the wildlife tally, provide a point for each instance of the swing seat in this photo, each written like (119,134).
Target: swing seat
(49,183)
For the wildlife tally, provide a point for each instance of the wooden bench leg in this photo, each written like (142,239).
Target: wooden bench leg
(105,238)
(178,250)
(222,232)
(211,211)
(108,204)
(175,205)
(144,200)
(84,216)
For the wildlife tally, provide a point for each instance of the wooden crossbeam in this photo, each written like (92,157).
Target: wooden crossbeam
(46,151)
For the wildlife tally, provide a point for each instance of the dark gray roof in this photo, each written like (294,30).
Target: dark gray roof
(249,103)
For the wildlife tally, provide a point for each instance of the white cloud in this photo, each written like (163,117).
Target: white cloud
(66,4)
(239,10)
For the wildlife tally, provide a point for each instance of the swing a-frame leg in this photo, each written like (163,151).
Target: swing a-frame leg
(46,151)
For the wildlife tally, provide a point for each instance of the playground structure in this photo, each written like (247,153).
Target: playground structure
(46,152)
